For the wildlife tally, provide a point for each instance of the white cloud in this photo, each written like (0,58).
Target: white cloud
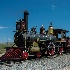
(9,39)
(4,38)
(1,27)
(53,6)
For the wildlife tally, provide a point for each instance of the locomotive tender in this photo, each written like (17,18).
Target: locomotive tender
(31,43)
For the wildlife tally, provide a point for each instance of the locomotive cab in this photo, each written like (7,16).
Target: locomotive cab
(60,40)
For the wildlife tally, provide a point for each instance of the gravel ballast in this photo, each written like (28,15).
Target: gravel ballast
(61,62)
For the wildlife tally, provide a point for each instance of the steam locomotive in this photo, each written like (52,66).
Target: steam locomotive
(31,43)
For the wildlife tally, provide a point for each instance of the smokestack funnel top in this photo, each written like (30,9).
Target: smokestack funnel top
(26,12)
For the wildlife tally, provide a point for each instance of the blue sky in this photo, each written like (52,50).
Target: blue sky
(41,12)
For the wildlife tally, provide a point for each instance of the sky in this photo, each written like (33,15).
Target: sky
(41,12)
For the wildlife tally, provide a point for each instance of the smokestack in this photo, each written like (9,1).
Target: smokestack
(26,19)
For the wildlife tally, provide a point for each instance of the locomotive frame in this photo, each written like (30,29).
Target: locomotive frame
(31,43)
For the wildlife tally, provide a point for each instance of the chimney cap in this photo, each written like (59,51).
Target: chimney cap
(26,12)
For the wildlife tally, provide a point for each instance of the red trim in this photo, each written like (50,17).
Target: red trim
(38,54)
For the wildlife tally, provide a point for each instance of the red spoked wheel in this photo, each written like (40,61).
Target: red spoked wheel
(38,54)
(60,50)
(51,52)
(25,55)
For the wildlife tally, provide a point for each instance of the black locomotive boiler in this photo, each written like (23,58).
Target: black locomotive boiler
(31,43)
